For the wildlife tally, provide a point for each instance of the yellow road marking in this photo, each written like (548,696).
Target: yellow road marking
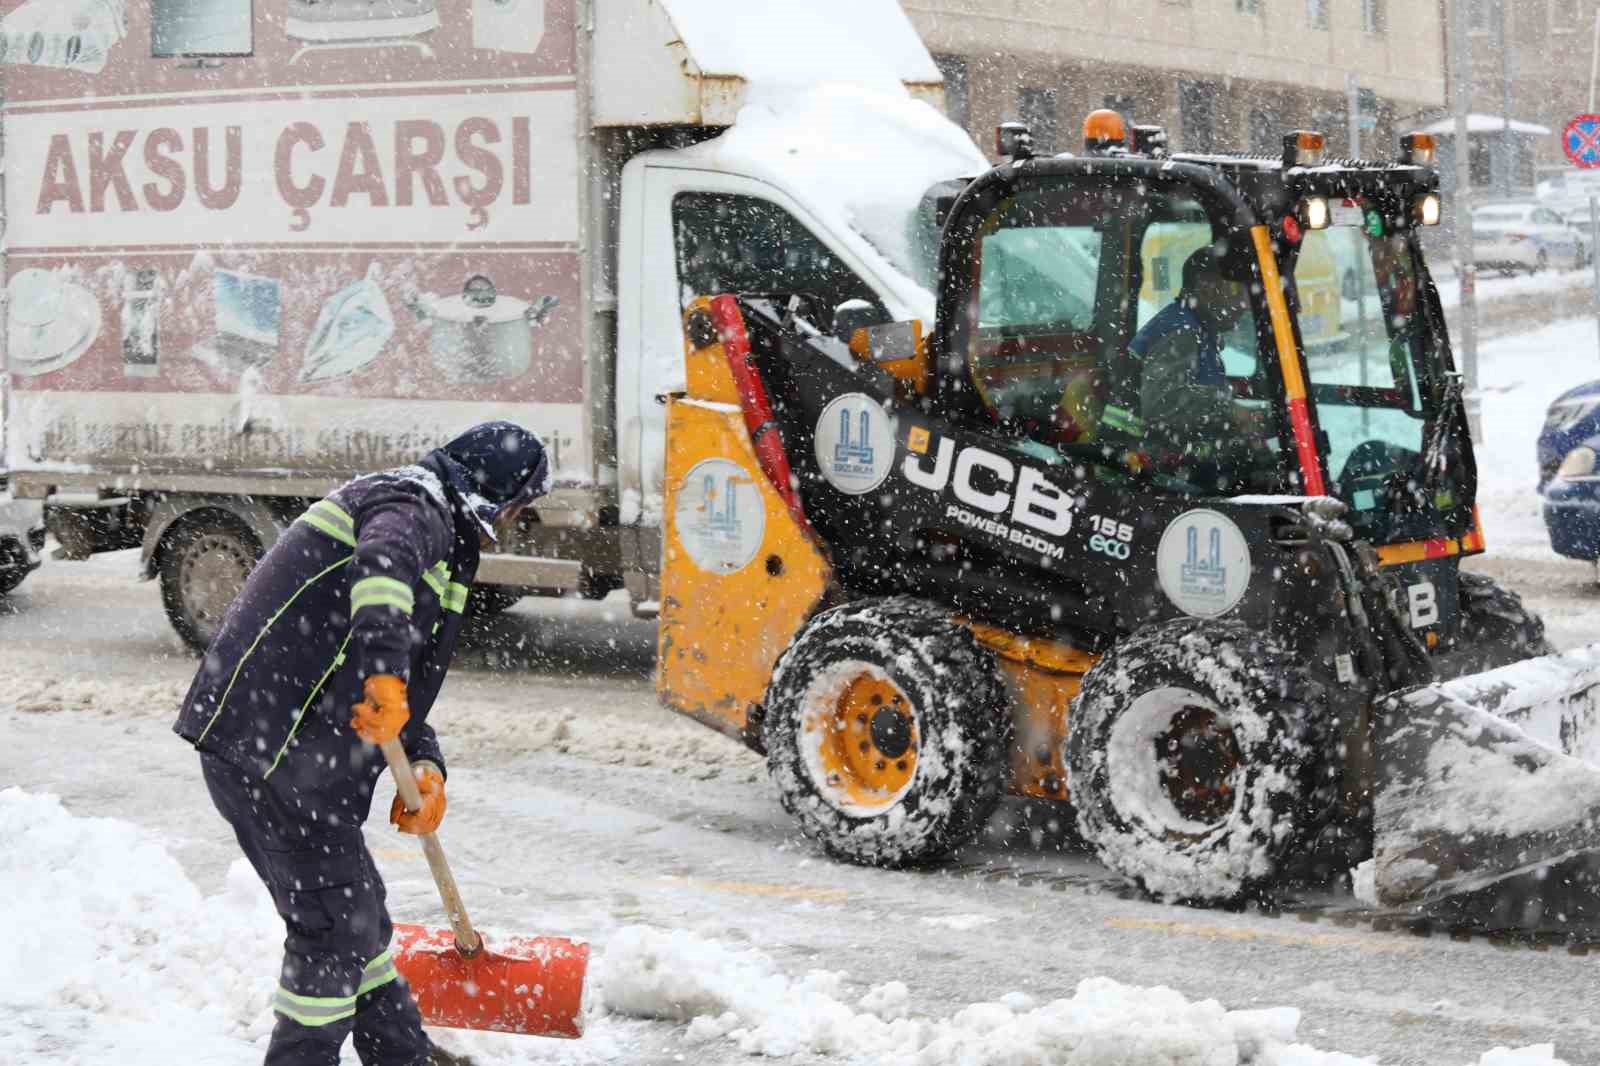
(750,888)
(1379,946)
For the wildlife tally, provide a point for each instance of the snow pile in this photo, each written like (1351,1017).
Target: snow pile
(110,948)
(739,995)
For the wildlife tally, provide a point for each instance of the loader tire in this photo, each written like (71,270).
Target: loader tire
(1496,629)
(1200,760)
(887,732)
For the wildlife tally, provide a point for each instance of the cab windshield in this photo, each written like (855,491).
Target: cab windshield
(1376,371)
(1110,321)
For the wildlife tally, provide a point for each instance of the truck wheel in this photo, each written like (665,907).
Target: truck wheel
(887,732)
(1496,629)
(13,566)
(1198,760)
(204,562)
(486,601)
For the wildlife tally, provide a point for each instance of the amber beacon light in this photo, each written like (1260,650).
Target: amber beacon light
(1104,129)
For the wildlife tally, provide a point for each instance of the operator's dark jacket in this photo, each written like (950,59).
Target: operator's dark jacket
(371,580)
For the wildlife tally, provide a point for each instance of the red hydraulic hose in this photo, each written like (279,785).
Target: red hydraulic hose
(758,417)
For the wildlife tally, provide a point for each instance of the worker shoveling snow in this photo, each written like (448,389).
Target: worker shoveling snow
(115,953)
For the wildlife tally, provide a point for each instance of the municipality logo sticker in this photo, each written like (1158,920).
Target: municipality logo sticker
(720,517)
(1203,563)
(855,443)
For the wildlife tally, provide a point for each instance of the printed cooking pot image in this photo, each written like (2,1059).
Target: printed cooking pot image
(482,335)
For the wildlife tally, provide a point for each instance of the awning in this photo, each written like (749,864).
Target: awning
(1477,123)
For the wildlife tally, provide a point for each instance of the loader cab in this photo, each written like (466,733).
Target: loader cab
(1062,298)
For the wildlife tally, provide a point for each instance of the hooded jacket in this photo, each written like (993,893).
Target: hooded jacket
(371,580)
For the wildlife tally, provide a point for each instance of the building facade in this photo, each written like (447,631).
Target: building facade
(1533,62)
(1218,74)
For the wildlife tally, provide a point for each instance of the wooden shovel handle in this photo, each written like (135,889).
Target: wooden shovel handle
(468,942)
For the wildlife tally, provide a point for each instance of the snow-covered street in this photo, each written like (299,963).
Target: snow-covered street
(580,807)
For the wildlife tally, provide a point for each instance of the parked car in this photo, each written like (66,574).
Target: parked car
(21,538)
(1569,475)
(1579,223)
(1523,236)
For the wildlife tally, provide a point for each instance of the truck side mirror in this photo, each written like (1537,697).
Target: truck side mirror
(853,315)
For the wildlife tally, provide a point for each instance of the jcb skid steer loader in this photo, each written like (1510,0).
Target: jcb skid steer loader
(917,573)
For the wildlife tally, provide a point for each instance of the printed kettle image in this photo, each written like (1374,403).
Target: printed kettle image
(508,25)
(481,335)
(347,24)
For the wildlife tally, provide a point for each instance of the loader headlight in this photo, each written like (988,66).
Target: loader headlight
(1578,463)
(1426,209)
(1315,212)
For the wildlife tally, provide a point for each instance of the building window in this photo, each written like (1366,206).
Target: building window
(1266,132)
(1372,16)
(957,99)
(1565,16)
(1247,7)
(1197,115)
(1317,13)
(1037,109)
(1124,105)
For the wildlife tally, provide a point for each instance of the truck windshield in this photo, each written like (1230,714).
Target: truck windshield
(1376,368)
(1109,322)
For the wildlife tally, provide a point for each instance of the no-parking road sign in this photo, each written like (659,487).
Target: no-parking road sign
(1581,141)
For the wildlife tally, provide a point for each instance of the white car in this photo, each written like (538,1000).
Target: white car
(1523,236)
(1579,223)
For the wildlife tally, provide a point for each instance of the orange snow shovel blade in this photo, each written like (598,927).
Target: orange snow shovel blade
(528,985)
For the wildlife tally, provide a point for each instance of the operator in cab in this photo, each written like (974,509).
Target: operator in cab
(1188,409)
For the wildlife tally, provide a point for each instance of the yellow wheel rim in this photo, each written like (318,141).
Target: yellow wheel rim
(866,741)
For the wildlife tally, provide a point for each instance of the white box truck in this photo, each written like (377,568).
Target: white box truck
(252,249)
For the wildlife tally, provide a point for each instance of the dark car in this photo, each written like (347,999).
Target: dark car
(21,538)
(1568,476)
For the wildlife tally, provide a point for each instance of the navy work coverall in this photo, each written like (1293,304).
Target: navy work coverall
(371,580)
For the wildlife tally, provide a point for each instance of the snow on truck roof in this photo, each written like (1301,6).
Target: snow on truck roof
(693,62)
(824,40)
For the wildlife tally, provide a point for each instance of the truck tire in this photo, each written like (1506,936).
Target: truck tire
(887,732)
(1200,760)
(1496,629)
(205,559)
(13,566)
(486,601)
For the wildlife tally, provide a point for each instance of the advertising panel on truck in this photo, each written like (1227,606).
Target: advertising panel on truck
(228,222)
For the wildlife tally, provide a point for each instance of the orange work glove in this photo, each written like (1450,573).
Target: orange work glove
(380,717)
(426,819)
